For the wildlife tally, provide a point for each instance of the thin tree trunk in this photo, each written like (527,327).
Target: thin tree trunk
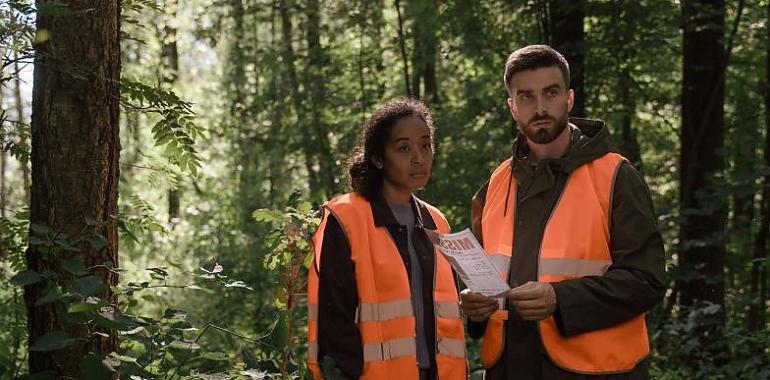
(624,19)
(3,156)
(169,74)
(20,117)
(702,248)
(298,98)
(758,280)
(318,60)
(424,25)
(75,154)
(402,46)
(567,37)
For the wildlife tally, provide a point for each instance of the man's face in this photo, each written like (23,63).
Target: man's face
(541,103)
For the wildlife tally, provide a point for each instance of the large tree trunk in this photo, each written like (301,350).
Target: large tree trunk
(567,37)
(75,152)
(758,280)
(169,74)
(702,208)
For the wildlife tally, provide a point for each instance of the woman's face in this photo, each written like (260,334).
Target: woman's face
(407,158)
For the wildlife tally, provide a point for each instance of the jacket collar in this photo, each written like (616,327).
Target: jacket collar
(384,217)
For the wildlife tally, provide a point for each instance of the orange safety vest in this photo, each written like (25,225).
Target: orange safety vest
(576,243)
(384,316)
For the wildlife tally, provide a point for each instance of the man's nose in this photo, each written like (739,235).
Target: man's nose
(542,107)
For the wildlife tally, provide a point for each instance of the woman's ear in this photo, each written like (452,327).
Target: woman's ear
(377,162)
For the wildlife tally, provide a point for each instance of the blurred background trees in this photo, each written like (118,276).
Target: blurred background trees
(232,106)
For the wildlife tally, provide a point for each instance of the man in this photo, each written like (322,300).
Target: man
(572,226)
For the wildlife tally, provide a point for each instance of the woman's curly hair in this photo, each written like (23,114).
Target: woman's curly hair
(365,178)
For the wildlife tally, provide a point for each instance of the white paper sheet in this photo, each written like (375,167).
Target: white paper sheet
(468,259)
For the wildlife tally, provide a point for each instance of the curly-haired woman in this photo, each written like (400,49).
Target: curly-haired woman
(382,302)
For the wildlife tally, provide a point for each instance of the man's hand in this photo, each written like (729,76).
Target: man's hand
(533,301)
(477,306)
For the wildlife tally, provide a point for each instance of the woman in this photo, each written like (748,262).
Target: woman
(382,303)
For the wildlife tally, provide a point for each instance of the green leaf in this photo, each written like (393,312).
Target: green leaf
(280,334)
(39,228)
(27,277)
(180,345)
(87,286)
(267,215)
(86,307)
(55,340)
(116,321)
(215,356)
(34,240)
(97,367)
(73,266)
(96,241)
(54,294)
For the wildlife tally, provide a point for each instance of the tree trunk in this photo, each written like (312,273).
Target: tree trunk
(75,153)
(318,60)
(402,46)
(169,74)
(20,117)
(567,37)
(624,19)
(758,280)
(702,208)
(425,22)
(3,156)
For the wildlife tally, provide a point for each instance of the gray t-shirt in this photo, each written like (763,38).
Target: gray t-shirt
(405,216)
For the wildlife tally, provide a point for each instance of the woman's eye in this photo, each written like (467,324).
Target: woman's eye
(426,146)
(403,148)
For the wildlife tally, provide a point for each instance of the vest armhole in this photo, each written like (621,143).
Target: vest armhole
(610,208)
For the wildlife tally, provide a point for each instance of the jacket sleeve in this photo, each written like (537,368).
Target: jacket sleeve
(634,282)
(338,335)
(476,329)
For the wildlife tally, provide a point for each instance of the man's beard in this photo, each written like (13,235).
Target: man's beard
(544,135)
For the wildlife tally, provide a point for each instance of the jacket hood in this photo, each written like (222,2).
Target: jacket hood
(589,141)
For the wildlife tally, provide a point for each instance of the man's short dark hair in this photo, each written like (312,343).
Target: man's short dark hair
(534,57)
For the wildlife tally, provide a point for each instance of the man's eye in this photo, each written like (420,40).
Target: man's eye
(553,92)
(426,146)
(525,97)
(403,148)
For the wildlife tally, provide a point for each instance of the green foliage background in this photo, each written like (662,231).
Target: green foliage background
(265,109)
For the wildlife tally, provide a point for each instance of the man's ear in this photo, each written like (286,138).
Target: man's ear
(377,162)
(570,100)
(512,108)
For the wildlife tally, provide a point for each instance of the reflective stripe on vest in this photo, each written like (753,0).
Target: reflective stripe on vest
(575,244)
(384,316)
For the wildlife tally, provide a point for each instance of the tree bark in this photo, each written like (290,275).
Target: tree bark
(567,37)
(75,153)
(702,208)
